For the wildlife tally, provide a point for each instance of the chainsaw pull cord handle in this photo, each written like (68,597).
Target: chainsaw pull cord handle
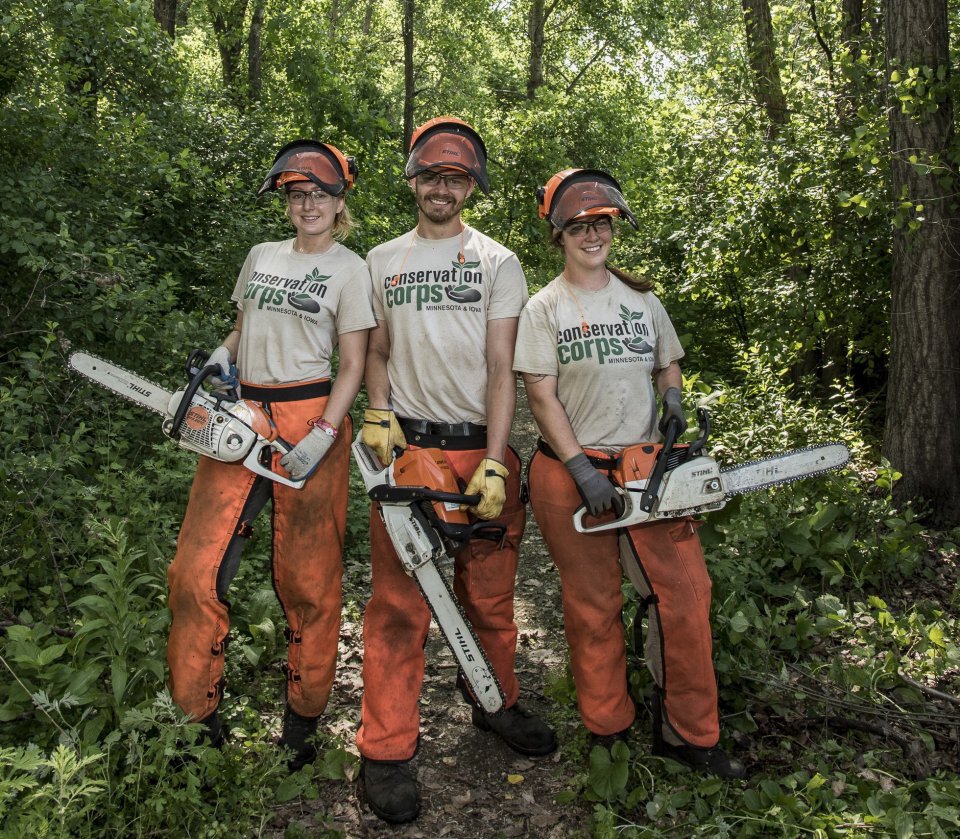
(649,496)
(188,394)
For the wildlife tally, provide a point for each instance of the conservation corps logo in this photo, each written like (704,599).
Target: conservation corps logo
(458,288)
(300,298)
(621,342)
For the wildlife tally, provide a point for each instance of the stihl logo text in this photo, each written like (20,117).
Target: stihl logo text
(464,646)
(141,390)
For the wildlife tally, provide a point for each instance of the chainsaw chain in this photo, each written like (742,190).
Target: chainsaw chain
(483,653)
(117,392)
(782,481)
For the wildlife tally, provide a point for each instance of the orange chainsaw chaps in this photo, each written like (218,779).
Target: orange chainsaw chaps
(308,532)
(430,468)
(396,619)
(664,562)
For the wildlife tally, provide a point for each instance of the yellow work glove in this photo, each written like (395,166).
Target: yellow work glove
(382,433)
(490,482)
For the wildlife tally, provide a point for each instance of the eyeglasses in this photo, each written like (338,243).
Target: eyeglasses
(317,196)
(450,181)
(602,225)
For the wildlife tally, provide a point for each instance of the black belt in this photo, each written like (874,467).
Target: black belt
(607,463)
(444,435)
(285,393)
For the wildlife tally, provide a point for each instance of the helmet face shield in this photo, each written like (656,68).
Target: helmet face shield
(449,146)
(306,160)
(586,193)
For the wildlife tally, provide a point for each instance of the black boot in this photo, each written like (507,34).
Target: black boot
(607,740)
(391,790)
(214,732)
(298,735)
(712,761)
(522,730)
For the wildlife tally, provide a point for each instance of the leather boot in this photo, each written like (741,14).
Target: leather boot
(298,735)
(391,790)
(711,761)
(214,732)
(522,730)
(607,740)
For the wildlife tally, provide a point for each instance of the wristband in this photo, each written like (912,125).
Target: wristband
(322,425)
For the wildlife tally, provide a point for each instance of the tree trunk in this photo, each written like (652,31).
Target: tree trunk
(255,51)
(922,434)
(368,18)
(763,63)
(852,26)
(229,18)
(408,80)
(165,13)
(535,22)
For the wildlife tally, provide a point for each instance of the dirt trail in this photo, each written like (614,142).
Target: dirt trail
(472,785)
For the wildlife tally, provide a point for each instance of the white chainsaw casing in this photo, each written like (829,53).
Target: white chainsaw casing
(695,486)
(207,430)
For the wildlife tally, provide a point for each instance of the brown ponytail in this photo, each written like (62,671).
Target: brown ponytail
(630,280)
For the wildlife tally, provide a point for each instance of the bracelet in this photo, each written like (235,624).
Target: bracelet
(324,426)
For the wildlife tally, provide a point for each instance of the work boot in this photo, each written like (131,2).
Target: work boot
(607,740)
(391,790)
(713,761)
(298,735)
(214,732)
(522,730)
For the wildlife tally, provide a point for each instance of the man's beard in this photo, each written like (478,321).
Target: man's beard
(439,214)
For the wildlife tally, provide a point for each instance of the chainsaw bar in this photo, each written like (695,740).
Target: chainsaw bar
(479,674)
(121,381)
(784,468)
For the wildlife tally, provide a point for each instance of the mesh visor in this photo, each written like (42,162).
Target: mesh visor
(450,149)
(306,163)
(589,194)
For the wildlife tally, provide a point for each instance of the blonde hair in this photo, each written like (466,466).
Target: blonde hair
(343,224)
(628,279)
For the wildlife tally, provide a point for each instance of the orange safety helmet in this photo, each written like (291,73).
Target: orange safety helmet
(448,143)
(308,160)
(574,193)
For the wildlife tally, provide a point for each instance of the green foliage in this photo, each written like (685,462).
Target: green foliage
(127,192)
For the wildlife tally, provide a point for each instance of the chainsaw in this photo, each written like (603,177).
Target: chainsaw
(420,505)
(219,425)
(670,481)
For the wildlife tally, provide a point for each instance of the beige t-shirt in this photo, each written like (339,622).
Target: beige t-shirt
(294,308)
(437,311)
(604,373)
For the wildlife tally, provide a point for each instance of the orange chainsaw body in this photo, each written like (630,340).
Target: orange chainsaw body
(430,468)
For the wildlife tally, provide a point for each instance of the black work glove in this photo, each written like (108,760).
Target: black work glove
(672,407)
(595,488)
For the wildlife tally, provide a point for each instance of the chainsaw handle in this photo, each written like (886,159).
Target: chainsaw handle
(188,395)
(649,496)
(393,494)
(703,420)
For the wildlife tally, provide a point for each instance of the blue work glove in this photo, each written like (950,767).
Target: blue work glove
(228,370)
(597,491)
(303,459)
(672,409)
